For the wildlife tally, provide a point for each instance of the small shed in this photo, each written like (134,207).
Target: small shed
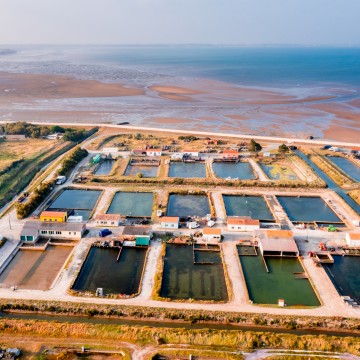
(230,154)
(56,216)
(211,234)
(108,220)
(353,239)
(153,152)
(142,240)
(170,222)
(242,223)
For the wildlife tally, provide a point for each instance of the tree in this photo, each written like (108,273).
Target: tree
(254,146)
(283,149)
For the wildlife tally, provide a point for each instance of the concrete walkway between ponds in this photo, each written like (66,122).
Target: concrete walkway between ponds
(233,266)
(150,270)
(259,172)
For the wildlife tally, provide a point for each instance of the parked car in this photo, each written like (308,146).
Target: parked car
(105,232)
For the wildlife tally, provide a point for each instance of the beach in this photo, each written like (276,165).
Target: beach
(49,91)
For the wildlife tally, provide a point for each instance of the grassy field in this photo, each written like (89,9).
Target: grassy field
(154,336)
(11,151)
(355,194)
(26,161)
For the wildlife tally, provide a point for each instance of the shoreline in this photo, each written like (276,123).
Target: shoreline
(202,133)
(181,103)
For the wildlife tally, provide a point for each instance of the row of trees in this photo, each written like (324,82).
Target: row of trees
(25,209)
(72,160)
(256,147)
(39,131)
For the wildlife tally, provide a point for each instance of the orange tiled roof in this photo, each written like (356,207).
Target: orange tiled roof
(242,221)
(53,214)
(211,231)
(170,219)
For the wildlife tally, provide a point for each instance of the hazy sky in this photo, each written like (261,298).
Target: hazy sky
(180,21)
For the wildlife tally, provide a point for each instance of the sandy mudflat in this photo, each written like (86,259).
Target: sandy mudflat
(198,104)
(54,87)
(174,90)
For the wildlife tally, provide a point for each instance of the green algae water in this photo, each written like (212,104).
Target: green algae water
(253,206)
(147,171)
(132,204)
(279,283)
(101,270)
(182,279)
(277,172)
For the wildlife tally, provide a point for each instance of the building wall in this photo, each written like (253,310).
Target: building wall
(61,234)
(54,218)
(353,243)
(243,227)
(211,237)
(166,225)
(107,223)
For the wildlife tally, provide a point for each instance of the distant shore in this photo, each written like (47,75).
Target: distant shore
(198,105)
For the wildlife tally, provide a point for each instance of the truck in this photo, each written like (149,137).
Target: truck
(104,232)
(192,225)
(60,180)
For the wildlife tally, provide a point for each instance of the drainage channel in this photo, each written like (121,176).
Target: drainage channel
(171,324)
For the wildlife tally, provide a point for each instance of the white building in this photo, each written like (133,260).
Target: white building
(110,150)
(169,222)
(237,223)
(191,153)
(353,239)
(33,230)
(212,234)
(153,152)
(108,220)
(177,156)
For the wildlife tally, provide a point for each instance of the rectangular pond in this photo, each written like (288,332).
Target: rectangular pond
(182,279)
(188,205)
(132,204)
(308,209)
(280,282)
(344,274)
(105,167)
(239,170)
(81,201)
(247,205)
(347,166)
(102,270)
(187,170)
(35,269)
(147,171)
(278,172)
